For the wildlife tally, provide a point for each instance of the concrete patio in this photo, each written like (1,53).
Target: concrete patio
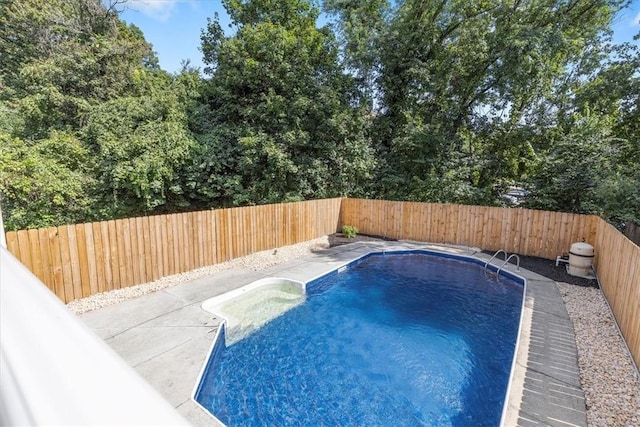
(166,336)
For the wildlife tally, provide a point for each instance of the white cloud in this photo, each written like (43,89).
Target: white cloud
(635,22)
(159,10)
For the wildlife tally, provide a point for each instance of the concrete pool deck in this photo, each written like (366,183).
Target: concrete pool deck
(166,336)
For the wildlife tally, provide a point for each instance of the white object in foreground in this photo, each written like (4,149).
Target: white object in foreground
(55,371)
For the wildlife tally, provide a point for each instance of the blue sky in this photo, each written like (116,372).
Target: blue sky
(173,26)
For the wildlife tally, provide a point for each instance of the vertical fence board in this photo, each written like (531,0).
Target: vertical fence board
(208,239)
(199,239)
(249,236)
(55,261)
(155,244)
(231,243)
(228,236)
(124,252)
(107,280)
(187,246)
(12,243)
(287,230)
(43,243)
(547,236)
(193,240)
(146,249)
(474,239)
(167,244)
(187,224)
(66,263)
(519,240)
(113,254)
(211,238)
(462,237)
(138,228)
(183,231)
(303,222)
(133,252)
(222,235)
(234,235)
(272,225)
(407,222)
(36,259)
(182,242)
(75,261)
(179,242)
(173,243)
(83,261)
(99,257)
(505,228)
(291,215)
(626,310)
(172,246)
(220,217)
(238,232)
(258,230)
(564,230)
(25,249)
(91,258)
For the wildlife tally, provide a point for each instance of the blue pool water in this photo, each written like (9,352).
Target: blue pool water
(410,339)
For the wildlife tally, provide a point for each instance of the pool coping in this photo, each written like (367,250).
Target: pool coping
(166,336)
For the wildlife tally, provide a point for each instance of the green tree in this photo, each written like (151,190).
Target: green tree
(142,145)
(457,82)
(44,182)
(76,78)
(281,119)
(588,161)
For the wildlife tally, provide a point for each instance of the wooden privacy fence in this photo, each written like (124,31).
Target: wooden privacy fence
(523,231)
(617,263)
(77,261)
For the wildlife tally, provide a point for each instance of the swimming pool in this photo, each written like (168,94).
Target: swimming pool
(402,339)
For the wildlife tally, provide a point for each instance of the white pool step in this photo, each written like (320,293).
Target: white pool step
(248,309)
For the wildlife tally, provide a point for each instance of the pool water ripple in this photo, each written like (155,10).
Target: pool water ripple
(408,339)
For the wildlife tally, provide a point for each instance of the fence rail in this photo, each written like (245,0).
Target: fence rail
(80,260)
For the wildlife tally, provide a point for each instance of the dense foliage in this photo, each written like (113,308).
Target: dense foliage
(444,101)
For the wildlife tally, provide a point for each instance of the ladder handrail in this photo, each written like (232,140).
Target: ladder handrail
(507,261)
(506,256)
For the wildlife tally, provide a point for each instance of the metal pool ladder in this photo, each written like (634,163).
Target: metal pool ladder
(507,257)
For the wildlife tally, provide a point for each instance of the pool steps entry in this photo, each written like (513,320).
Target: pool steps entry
(507,258)
(293,293)
(247,309)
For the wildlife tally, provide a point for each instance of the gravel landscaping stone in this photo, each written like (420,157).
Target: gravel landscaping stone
(255,262)
(609,379)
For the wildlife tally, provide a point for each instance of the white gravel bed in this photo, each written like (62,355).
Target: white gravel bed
(256,261)
(609,379)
